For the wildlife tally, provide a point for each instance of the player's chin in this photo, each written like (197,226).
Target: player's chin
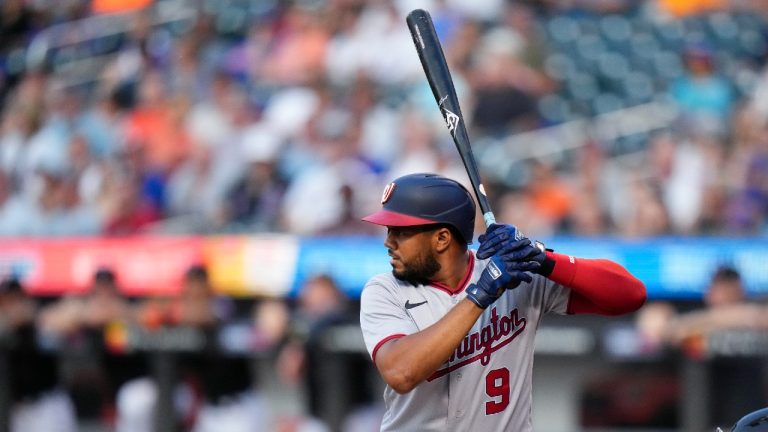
(398,270)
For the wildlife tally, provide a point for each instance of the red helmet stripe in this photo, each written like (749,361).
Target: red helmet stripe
(390,218)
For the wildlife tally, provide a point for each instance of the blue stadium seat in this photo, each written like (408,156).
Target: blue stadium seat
(563,30)
(559,66)
(555,108)
(723,27)
(607,102)
(612,65)
(589,47)
(670,34)
(644,45)
(615,29)
(668,64)
(638,88)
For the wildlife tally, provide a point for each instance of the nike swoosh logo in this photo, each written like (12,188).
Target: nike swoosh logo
(409,305)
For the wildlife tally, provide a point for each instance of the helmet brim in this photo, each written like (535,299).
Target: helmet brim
(390,218)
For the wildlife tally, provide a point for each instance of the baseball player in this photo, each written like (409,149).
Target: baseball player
(451,331)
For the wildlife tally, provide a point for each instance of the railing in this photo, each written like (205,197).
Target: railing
(500,157)
(79,50)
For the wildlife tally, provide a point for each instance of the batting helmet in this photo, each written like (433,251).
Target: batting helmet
(422,199)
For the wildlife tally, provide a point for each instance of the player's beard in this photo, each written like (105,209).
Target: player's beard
(419,270)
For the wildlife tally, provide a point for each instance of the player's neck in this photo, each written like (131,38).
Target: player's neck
(453,270)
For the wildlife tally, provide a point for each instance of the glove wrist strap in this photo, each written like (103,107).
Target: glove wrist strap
(478,297)
(548,266)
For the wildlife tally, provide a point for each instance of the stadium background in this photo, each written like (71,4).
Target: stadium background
(249,137)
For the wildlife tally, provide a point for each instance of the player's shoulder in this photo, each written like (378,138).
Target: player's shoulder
(382,281)
(386,283)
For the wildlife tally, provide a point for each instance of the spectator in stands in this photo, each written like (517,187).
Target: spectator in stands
(686,170)
(127,209)
(156,124)
(521,18)
(54,210)
(747,207)
(253,202)
(216,391)
(323,308)
(32,136)
(332,142)
(38,401)
(704,97)
(82,322)
(360,31)
(588,215)
(298,53)
(504,87)
(13,209)
(726,307)
(17,24)
(515,205)
(349,222)
(732,379)
(551,198)
(229,399)
(100,123)
(271,319)
(645,214)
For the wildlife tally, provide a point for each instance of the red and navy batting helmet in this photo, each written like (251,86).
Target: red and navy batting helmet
(423,199)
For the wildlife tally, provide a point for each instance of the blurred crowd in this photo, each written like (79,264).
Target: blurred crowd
(736,382)
(295,123)
(193,361)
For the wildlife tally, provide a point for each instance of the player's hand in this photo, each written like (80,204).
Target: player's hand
(493,281)
(517,251)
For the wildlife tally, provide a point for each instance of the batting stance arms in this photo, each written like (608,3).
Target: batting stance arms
(598,286)
(451,331)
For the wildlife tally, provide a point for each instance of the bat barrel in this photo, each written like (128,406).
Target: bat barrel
(433,61)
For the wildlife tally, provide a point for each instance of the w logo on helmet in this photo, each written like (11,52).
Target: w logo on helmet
(387,192)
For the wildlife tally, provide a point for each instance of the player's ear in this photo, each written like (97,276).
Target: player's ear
(442,238)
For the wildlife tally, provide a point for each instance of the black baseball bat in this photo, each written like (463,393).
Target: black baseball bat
(439,76)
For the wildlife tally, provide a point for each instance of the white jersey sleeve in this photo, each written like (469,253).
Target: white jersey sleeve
(382,316)
(549,296)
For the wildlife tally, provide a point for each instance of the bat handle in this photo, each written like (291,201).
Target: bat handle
(489,218)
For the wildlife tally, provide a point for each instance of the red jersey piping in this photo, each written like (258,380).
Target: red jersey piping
(464,281)
(382,342)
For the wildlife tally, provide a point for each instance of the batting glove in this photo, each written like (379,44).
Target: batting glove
(493,281)
(517,251)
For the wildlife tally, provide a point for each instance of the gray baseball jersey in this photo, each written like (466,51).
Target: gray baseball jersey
(486,383)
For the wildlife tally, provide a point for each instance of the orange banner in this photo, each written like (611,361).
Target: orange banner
(238,265)
(143,265)
(115,6)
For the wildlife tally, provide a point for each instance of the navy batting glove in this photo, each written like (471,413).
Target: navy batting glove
(496,237)
(510,243)
(493,281)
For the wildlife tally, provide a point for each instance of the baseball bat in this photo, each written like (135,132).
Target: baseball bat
(439,76)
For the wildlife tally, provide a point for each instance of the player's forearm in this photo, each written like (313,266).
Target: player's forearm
(600,286)
(405,362)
